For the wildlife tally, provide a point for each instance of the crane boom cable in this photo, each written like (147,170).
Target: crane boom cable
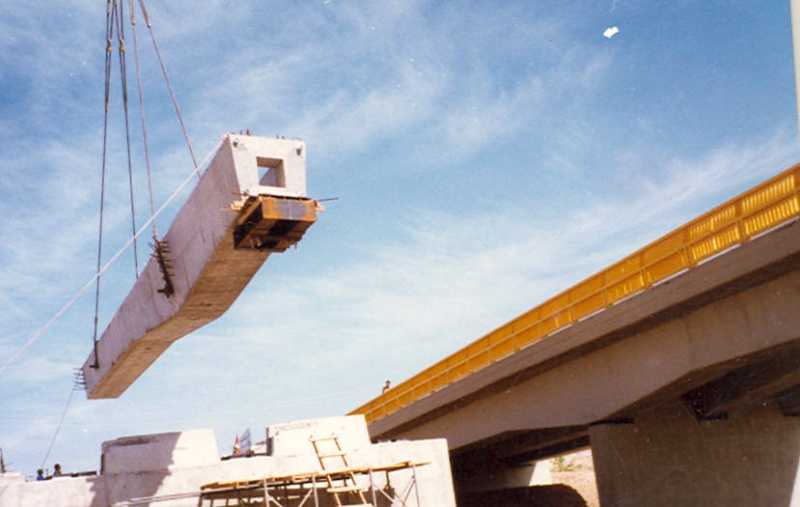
(167,81)
(123,75)
(142,116)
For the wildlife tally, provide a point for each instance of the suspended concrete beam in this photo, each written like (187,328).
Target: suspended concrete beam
(250,203)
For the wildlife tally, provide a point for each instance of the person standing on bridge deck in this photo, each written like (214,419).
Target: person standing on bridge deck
(386,386)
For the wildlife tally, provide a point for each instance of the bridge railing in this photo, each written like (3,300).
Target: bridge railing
(749,215)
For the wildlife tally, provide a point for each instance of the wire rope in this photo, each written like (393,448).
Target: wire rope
(123,76)
(142,115)
(164,73)
(58,427)
(107,90)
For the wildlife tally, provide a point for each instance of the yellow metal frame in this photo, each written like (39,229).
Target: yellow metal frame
(755,212)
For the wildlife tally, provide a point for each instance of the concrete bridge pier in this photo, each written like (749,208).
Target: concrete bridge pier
(667,457)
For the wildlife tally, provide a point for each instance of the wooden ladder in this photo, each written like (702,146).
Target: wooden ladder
(349,485)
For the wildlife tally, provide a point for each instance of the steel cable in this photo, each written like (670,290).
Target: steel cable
(107,90)
(167,81)
(58,427)
(123,75)
(142,116)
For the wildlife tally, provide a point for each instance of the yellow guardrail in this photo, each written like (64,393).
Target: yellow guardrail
(752,213)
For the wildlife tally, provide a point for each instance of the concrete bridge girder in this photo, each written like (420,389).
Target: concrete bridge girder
(713,354)
(690,351)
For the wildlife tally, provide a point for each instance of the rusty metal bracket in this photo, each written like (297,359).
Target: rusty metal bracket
(160,254)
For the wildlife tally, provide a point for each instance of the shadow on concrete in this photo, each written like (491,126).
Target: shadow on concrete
(667,457)
(134,467)
(555,495)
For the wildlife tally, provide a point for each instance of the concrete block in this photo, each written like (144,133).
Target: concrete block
(145,453)
(295,437)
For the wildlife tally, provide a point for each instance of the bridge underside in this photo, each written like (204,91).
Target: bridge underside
(715,351)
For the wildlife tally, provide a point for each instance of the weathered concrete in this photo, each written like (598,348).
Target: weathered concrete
(668,458)
(179,463)
(221,236)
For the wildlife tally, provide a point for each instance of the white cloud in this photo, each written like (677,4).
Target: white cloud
(610,32)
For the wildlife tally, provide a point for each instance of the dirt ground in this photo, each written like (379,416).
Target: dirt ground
(577,471)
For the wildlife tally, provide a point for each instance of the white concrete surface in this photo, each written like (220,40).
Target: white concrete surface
(285,157)
(286,439)
(208,271)
(181,462)
(150,453)
(667,458)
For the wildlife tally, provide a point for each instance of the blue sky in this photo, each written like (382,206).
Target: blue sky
(485,155)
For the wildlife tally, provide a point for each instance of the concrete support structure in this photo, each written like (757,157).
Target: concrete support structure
(168,469)
(250,202)
(666,457)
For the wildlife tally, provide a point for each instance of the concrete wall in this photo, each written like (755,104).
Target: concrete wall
(667,458)
(163,451)
(289,438)
(181,462)
(61,492)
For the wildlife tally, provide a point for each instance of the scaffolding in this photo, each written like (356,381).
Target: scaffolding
(297,490)
(313,489)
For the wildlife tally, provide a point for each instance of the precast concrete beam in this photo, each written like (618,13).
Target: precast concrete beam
(250,202)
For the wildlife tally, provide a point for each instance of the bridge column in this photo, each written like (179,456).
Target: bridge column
(666,457)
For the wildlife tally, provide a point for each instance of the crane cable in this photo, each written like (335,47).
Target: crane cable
(164,73)
(114,18)
(109,49)
(66,306)
(123,75)
(58,427)
(132,9)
